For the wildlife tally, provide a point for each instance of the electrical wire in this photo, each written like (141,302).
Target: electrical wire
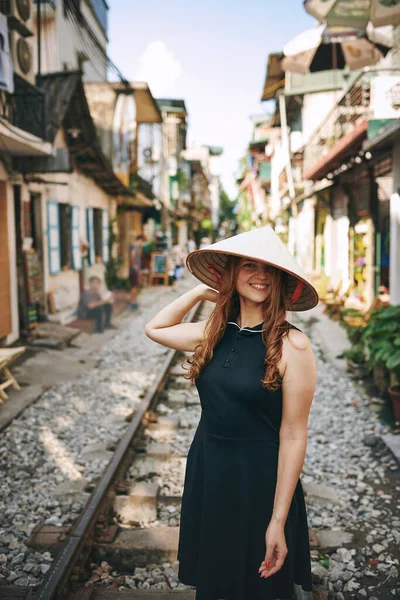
(80,20)
(46,40)
(95,60)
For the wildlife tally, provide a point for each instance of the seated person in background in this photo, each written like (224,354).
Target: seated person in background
(92,305)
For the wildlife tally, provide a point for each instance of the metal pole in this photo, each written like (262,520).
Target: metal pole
(286,145)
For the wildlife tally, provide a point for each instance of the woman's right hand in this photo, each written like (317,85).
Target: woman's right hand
(206,293)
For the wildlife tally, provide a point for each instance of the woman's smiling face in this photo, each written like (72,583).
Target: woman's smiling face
(253,280)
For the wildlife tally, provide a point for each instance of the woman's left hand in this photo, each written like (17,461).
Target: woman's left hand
(276,550)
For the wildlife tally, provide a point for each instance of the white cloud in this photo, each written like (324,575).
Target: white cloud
(159,67)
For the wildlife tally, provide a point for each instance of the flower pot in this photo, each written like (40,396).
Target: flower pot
(395,396)
(358,371)
(381,377)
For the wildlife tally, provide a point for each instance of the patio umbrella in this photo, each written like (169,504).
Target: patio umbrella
(355,13)
(329,48)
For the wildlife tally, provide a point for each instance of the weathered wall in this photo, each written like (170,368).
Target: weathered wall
(83,192)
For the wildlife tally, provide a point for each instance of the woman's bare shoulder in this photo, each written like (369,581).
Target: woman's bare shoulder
(296,339)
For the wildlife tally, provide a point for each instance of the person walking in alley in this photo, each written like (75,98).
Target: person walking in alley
(244,529)
(94,305)
(135,262)
(191,245)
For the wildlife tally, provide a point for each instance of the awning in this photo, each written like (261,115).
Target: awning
(172,105)
(343,149)
(147,110)
(274,77)
(384,138)
(318,186)
(137,202)
(257,143)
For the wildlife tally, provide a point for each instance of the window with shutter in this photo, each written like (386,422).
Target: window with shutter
(90,235)
(75,239)
(53,236)
(106,237)
(98,233)
(65,236)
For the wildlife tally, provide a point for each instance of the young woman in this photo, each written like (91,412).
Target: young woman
(244,532)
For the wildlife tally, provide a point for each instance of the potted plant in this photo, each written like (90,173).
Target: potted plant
(382,339)
(357,361)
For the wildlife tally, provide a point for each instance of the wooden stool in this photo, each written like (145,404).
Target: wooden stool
(7,355)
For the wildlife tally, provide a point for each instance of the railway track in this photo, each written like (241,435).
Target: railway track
(131,519)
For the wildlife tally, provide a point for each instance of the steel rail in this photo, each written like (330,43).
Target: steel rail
(57,577)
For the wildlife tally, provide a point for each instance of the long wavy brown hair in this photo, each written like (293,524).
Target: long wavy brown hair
(227,308)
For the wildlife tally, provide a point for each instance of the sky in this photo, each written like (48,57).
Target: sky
(211,53)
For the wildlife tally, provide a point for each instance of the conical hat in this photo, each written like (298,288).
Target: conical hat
(207,264)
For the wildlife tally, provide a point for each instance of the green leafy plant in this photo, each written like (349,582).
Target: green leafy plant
(356,354)
(113,280)
(182,180)
(382,338)
(149,247)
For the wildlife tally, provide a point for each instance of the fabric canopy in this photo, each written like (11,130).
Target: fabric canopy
(324,48)
(355,13)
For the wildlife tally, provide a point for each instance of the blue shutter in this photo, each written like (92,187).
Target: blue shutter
(75,238)
(90,235)
(105,236)
(53,237)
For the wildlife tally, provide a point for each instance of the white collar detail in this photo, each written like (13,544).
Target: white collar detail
(245,328)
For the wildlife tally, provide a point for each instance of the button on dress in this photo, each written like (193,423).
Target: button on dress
(230,480)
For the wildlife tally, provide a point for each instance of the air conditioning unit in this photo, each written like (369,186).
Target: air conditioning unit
(151,154)
(20,15)
(22,56)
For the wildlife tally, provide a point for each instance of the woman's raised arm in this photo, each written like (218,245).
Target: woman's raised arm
(166,327)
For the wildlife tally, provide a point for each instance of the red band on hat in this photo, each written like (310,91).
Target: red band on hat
(297,292)
(216,273)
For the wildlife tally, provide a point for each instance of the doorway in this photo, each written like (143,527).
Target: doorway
(5,290)
(29,253)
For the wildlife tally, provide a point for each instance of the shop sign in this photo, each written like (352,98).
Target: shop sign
(394,95)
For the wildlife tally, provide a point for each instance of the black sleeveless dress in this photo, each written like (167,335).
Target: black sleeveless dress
(230,481)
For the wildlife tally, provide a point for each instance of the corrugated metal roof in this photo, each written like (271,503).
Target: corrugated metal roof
(172,105)
(274,76)
(59,89)
(66,107)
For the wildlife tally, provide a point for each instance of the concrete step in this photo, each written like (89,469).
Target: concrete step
(181,397)
(139,547)
(14,592)
(326,538)
(164,423)
(48,538)
(180,383)
(140,505)
(319,493)
(158,450)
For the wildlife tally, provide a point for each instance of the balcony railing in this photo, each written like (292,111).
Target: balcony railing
(25,108)
(373,94)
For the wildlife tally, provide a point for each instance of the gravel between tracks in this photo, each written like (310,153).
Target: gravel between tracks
(62,441)
(52,455)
